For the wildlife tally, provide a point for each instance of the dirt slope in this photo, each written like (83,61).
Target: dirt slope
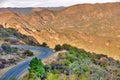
(93,27)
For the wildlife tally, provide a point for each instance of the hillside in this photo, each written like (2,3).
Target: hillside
(71,63)
(11,56)
(93,27)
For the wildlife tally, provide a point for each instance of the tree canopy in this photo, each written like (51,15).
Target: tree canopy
(36,67)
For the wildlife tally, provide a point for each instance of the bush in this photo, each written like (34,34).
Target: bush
(44,44)
(4,35)
(47,68)
(2,66)
(14,50)
(28,53)
(51,76)
(66,47)
(58,47)
(6,47)
(13,40)
(11,30)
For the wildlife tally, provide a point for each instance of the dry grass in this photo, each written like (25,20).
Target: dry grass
(86,26)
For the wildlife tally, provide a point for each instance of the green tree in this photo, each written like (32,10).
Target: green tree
(36,68)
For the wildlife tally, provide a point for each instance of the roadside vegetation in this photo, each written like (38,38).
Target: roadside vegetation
(75,64)
(10,55)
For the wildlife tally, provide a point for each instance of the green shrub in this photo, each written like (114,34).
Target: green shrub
(44,44)
(66,47)
(11,31)
(36,68)
(51,76)
(47,68)
(28,53)
(6,47)
(58,47)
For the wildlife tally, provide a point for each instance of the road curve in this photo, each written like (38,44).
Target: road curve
(18,70)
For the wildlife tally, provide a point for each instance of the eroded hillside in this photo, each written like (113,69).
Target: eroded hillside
(95,28)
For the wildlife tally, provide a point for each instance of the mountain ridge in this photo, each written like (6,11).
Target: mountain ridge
(94,27)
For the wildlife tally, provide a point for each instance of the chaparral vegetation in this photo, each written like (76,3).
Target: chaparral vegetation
(75,64)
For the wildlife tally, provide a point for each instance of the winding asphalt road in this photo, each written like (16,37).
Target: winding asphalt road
(18,70)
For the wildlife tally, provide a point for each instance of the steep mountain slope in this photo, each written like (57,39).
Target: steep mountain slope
(94,27)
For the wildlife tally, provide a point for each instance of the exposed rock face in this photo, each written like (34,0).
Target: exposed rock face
(95,28)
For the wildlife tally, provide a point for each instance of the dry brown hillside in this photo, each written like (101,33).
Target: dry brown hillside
(93,27)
